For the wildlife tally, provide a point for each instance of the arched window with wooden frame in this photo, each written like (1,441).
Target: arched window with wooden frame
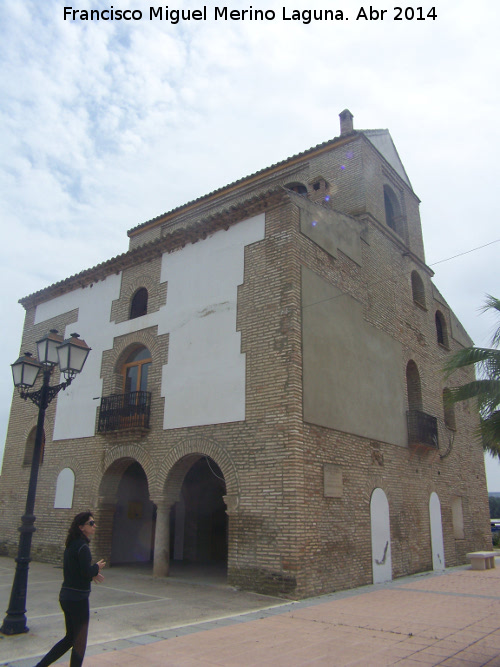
(135,370)
(139,303)
(131,407)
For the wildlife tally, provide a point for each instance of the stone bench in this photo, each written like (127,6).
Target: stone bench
(482,560)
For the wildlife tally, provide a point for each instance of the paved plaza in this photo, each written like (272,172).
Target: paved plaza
(193,619)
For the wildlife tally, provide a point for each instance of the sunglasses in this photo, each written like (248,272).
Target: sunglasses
(91,522)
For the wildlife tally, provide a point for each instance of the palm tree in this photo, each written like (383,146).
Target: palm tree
(486,386)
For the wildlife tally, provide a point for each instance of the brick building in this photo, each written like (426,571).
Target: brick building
(264,388)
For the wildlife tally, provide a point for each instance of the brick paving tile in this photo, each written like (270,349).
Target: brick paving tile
(106,660)
(493,638)
(305,654)
(475,653)
(494,662)
(489,649)
(490,655)
(436,651)
(285,661)
(437,633)
(445,621)
(379,660)
(483,646)
(457,661)
(393,654)
(320,662)
(469,636)
(409,630)
(400,650)
(338,656)
(416,642)
(452,644)
(487,626)
(404,662)
(184,662)
(426,660)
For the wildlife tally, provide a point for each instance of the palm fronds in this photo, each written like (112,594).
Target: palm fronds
(486,388)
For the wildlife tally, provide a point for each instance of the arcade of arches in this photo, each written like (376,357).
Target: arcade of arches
(191,527)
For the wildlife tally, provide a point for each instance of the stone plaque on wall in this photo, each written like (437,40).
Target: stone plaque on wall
(332,479)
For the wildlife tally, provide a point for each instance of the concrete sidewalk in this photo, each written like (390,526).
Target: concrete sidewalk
(448,619)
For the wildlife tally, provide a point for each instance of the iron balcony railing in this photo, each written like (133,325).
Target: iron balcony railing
(422,429)
(124,411)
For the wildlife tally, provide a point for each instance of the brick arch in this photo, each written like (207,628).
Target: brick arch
(138,305)
(114,358)
(441,329)
(413,386)
(124,345)
(144,280)
(418,289)
(378,482)
(147,275)
(117,460)
(29,426)
(181,457)
(29,446)
(394,216)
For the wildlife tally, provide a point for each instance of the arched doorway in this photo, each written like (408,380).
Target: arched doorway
(198,521)
(381,537)
(437,542)
(134,518)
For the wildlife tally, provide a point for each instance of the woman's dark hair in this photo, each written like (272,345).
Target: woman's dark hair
(74,531)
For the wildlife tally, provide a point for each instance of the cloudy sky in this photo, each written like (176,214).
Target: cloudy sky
(106,124)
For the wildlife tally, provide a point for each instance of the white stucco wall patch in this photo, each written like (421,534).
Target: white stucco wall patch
(76,406)
(204,380)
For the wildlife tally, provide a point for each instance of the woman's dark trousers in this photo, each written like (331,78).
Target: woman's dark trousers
(76,616)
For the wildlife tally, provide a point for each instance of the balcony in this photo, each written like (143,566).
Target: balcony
(422,430)
(124,412)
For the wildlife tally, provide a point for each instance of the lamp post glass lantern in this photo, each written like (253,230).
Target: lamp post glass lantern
(25,371)
(47,347)
(70,355)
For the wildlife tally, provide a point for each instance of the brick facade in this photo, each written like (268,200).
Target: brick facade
(296,493)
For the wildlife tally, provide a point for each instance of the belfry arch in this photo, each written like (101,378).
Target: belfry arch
(200,492)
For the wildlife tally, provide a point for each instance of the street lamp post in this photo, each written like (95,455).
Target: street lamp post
(70,355)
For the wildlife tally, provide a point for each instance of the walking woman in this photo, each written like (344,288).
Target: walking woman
(75,590)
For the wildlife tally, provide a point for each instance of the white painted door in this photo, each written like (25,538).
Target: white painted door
(437,543)
(381,537)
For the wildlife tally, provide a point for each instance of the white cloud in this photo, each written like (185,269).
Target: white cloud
(107,124)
